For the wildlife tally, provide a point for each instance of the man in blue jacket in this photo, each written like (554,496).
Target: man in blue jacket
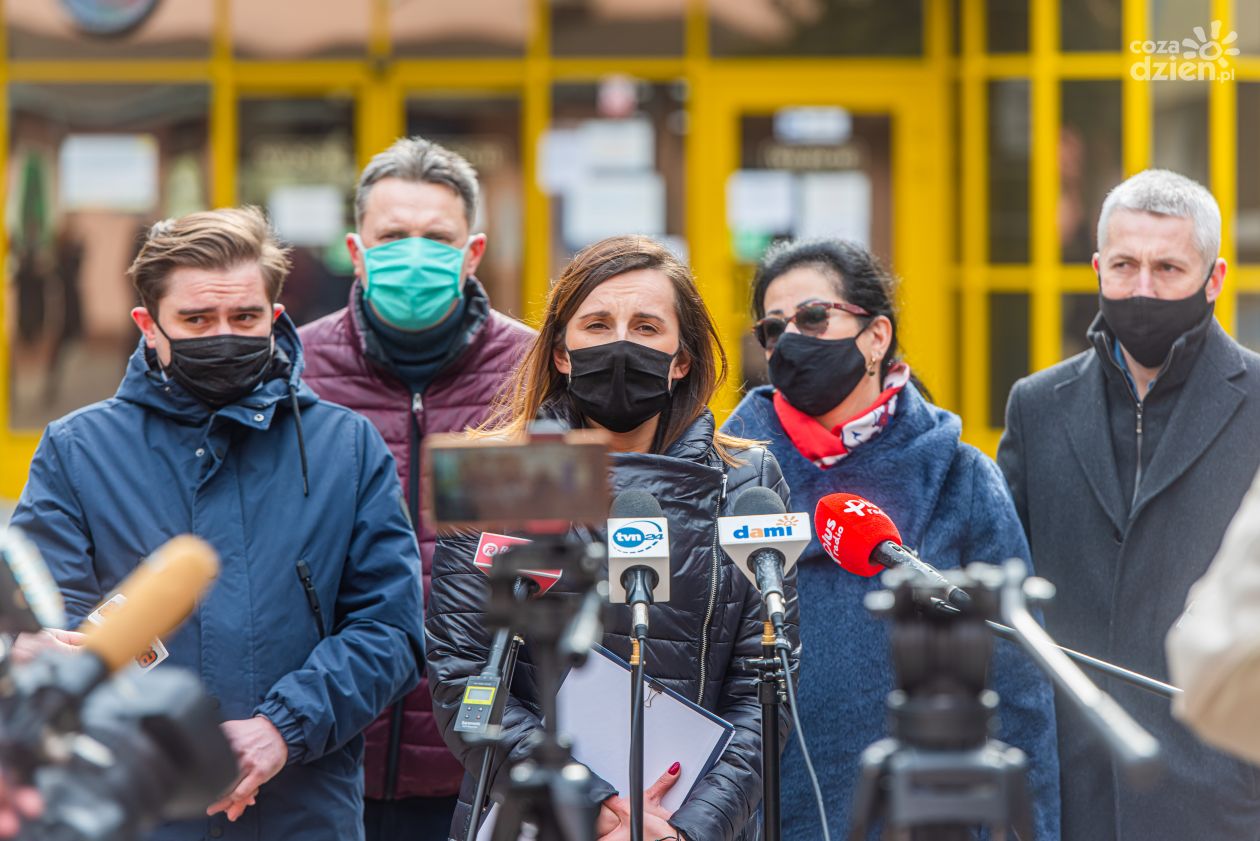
(314,625)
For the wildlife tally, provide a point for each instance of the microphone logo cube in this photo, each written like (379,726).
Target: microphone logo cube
(637,537)
(782,528)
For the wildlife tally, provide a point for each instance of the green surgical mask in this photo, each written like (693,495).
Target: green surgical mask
(412,283)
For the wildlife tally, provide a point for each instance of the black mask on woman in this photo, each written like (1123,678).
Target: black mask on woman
(1148,327)
(219,370)
(816,375)
(620,385)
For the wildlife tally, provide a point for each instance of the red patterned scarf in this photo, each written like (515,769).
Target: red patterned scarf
(826,447)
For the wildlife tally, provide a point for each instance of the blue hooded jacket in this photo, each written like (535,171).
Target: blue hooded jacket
(951,505)
(112,482)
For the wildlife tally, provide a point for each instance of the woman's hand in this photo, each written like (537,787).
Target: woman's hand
(655,815)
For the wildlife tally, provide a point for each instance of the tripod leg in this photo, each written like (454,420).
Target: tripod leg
(866,797)
(479,799)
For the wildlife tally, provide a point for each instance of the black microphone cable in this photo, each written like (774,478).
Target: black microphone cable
(638,655)
(800,740)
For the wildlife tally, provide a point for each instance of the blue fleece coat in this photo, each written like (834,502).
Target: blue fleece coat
(112,482)
(951,505)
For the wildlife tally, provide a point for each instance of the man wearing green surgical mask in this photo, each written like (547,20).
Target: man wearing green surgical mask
(418,350)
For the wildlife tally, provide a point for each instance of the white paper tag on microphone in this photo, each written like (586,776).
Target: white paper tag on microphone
(149,659)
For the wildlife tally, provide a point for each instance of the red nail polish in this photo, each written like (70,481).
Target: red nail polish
(673,769)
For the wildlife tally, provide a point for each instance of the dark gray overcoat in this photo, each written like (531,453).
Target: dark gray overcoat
(1123,565)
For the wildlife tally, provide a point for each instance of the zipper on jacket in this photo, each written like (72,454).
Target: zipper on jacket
(312,599)
(714,574)
(413,505)
(1137,477)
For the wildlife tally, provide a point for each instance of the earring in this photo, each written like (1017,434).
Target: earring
(872,367)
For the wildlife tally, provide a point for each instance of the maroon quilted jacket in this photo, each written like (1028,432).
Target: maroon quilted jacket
(405,754)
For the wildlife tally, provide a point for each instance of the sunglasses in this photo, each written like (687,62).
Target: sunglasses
(810,318)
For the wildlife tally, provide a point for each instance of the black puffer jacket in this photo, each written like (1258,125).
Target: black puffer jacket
(713,616)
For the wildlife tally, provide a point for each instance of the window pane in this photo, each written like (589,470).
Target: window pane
(429,29)
(1090,25)
(297,161)
(1009,146)
(90,168)
(614,164)
(1248,172)
(1247,23)
(290,29)
(626,27)
(1079,310)
(1008,349)
(1090,162)
(1007,26)
(43,29)
(487,132)
(1249,319)
(1173,20)
(1181,128)
(827,27)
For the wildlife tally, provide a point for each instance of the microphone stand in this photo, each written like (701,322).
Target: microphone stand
(1141,681)
(770,693)
(639,582)
(502,661)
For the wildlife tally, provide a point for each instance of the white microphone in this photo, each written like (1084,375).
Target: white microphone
(764,541)
(638,555)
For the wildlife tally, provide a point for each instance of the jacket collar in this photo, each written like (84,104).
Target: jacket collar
(476,314)
(1206,401)
(145,385)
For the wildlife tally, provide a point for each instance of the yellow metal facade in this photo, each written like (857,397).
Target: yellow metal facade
(917,93)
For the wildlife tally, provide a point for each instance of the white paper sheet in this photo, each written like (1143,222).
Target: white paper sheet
(760,201)
(835,204)
(109,172)
(608,204)
(594,708)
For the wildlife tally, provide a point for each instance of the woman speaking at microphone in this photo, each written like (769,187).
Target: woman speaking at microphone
(844,413)
(628,346)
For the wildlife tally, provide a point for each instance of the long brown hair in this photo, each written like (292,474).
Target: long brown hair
(538,383)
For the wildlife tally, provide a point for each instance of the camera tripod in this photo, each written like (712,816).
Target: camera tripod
(547,789)
(940,775)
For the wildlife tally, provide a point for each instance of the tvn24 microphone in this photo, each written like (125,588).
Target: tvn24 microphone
(860,537)
(638,555)
(764,541)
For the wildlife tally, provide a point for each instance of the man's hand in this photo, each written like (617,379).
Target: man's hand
(16,804)
(655,815)
(260,753)
(27,646)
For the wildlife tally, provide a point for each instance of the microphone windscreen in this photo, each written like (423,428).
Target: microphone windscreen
(758,501)
(637,504)
(160,594)
(849,528)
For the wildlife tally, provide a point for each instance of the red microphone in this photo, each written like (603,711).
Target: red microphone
(492,544)
(860,537)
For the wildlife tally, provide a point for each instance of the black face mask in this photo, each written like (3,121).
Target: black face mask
(620,385)
(1148,327)
(219,370)
(816,375)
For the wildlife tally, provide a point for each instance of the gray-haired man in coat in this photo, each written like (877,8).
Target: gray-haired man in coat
(1126,463)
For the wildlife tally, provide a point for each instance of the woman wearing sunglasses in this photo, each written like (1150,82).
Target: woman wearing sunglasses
(845,413)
